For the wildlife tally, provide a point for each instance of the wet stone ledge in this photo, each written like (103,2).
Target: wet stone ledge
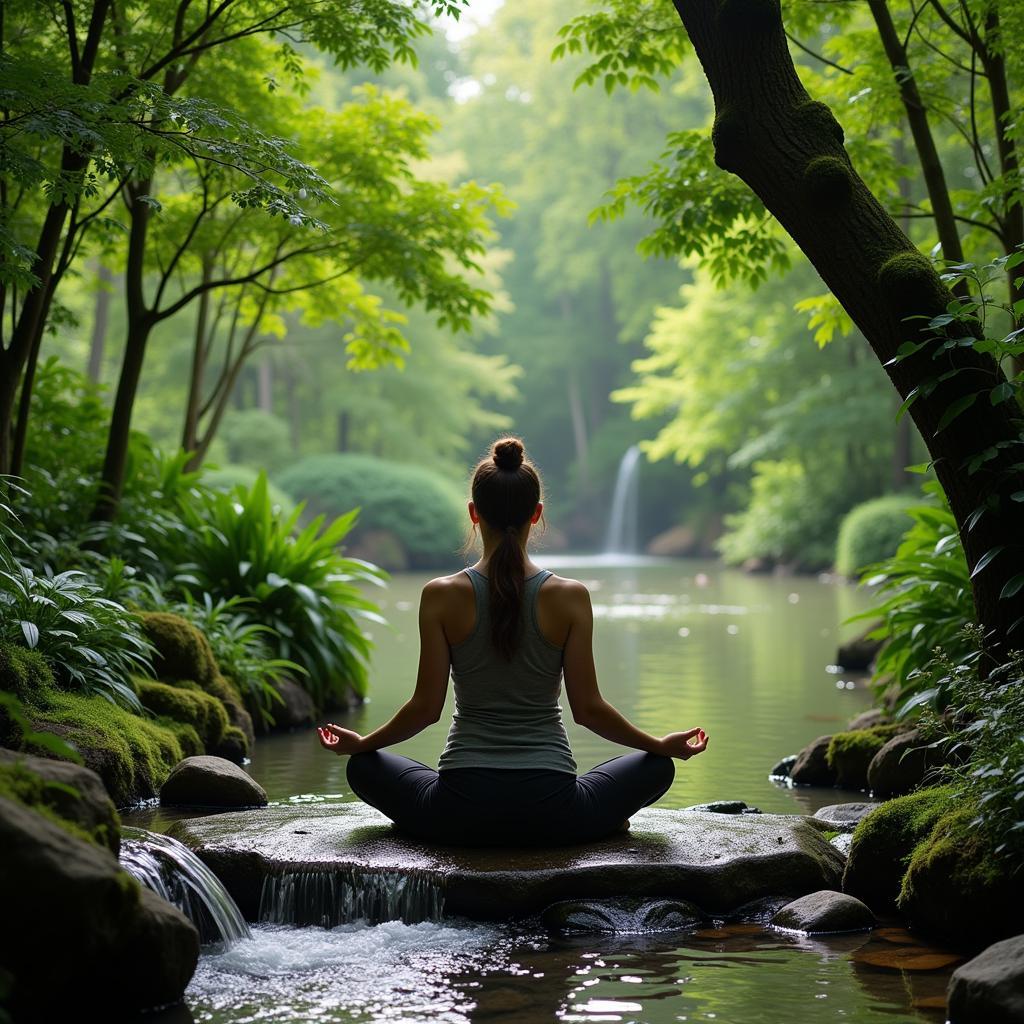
(717,862)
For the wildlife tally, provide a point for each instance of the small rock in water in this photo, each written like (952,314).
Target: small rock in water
(811,767)
(621,916)
(825,911)
(843,817)
(783,767)
(990,988)
(725,807)
(204,781)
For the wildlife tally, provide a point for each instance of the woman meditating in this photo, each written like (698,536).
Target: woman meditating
(508,633)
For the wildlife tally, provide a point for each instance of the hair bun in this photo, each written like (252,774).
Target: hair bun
(508,453)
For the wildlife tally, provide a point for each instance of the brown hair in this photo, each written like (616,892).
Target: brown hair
(505,489)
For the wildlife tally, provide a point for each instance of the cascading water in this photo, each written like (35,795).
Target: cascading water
(174,872)
(623,536)
(330,898)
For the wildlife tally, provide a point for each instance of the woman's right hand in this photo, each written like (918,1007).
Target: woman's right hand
(684,745)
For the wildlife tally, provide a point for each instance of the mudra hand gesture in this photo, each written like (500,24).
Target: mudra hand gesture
(684,745)
(340,741)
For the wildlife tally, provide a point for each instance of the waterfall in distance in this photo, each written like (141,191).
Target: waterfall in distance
(623,534)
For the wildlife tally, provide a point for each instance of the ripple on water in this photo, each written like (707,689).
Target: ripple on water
(355,972)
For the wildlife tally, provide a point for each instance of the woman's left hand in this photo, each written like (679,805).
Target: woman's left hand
(340,741)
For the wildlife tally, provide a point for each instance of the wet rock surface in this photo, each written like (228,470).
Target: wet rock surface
(719,862)
(782,768)
(844,817)
(86,803)
(725,807)
(621,917)
(101,946)
(990,988)
(206,781)
(825,911)
(811,767)
(901,765)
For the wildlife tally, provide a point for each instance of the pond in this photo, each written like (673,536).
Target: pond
(677,643)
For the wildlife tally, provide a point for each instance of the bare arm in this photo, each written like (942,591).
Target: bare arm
(424,707)
(590,709)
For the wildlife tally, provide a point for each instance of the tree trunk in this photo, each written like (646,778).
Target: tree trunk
(140,325)
(789,150)
(200,348)
(100,323)
(924,141)
(265,376)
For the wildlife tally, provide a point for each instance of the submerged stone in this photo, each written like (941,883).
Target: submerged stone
(621,916)
(716,861)
(821,912)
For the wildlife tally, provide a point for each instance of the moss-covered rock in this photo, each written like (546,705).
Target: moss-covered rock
(884,841)
(184,657)
(957,888)
(23,673)
(204,712)
(70,795)
(78,928)
(850,753)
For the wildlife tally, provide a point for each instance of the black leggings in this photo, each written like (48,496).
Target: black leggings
(508,806)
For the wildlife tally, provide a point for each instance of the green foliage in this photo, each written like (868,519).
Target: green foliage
(241,647)
(256,438)
(131,754)
(791,518)
(979,722)
(295,584)
(925,596)
(870,532)
(227,478)
(92,643)
(421,509)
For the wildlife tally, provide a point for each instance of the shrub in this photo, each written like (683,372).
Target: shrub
(227,478)
(871,532)
(90,642)
(791,518)
(926,596)
(256,438)
(423,510)
(297,585)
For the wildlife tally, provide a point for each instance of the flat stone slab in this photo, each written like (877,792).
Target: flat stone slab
(845,817)
(718,862)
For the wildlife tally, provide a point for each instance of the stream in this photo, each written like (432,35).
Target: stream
(678,643)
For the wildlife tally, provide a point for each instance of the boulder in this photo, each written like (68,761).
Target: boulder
(869,719)
(206,781)
(717,861)
(296,708)
(902,765)
(74,792)
(957,887)
(825,911)
(844,817)
(783,768)
(856,655)
(990,988)
(621,916)
(883,842)
(843,842)
(850,753)
(811,767)
(675,542)
(87,931)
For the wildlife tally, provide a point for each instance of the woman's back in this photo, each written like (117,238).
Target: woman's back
(507,713)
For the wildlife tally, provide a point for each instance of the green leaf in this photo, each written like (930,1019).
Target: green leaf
(1013,587)
(955,409)
(1001,393)
(988,557)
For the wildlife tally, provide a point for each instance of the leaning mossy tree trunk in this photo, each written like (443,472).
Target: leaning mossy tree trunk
(789,149)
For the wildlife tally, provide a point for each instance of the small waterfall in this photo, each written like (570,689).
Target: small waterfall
(623,534)
(330,898)
(174,872)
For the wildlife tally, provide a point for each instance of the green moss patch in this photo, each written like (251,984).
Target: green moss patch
(884,841)
(850,753)
(956,886)
(202,711)
(44,797)
(182,652)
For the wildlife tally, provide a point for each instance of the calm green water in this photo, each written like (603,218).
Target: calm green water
(677,644)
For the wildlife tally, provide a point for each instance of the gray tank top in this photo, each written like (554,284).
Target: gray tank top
(507,713)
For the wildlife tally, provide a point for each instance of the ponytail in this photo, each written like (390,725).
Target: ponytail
(506,490)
